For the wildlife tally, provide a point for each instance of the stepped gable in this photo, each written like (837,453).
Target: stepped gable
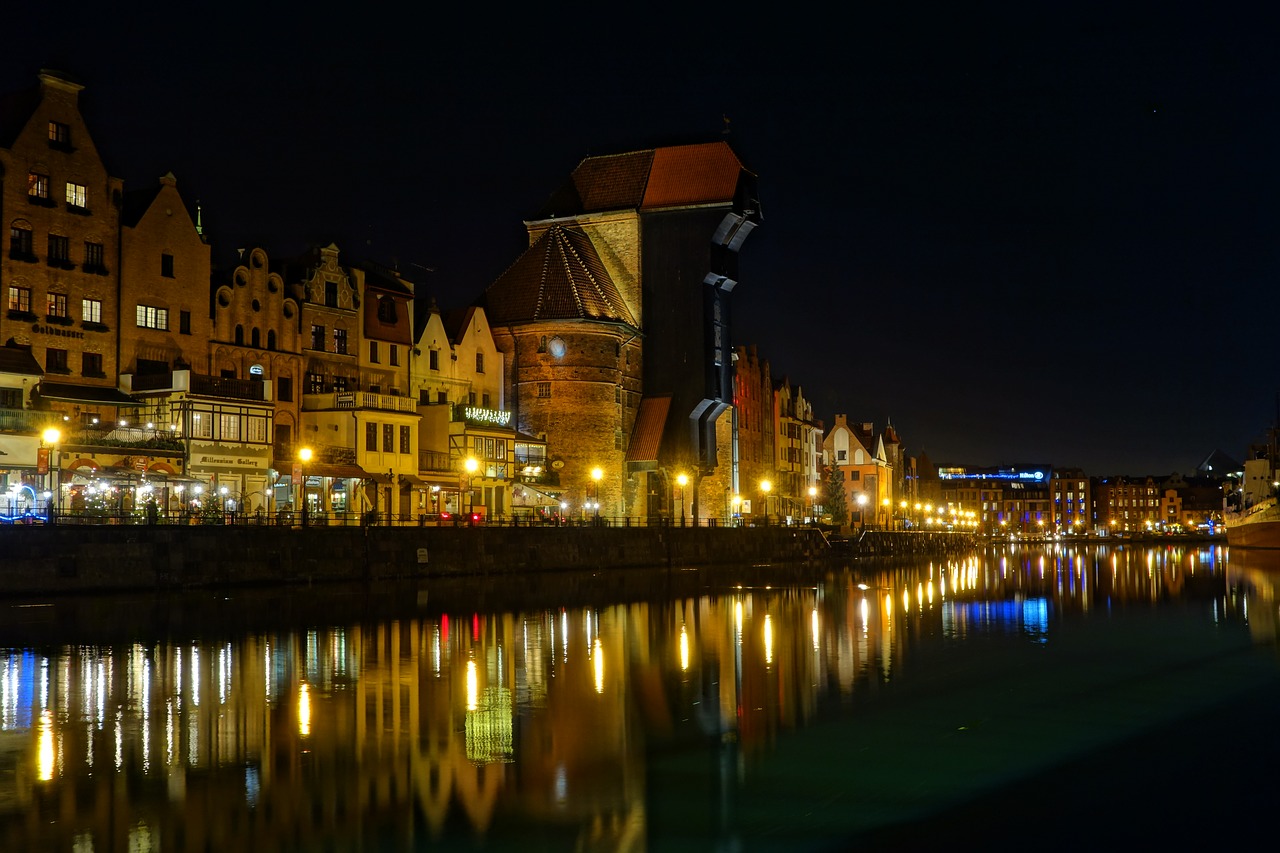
(559,277)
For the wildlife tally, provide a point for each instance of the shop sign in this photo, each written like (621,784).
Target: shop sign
(222,458)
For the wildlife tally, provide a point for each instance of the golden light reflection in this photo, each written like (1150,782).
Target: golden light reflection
(598,658)
(864,610)
(684,650)
(737,621)
(888,605)
(768,639)
(815,629)
(473,687)
(304,709)
(45,764)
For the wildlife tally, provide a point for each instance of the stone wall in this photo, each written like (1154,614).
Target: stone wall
(44,560)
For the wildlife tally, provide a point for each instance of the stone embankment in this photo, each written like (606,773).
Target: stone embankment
(40,560)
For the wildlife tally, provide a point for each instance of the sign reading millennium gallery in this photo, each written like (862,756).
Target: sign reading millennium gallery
(240,460)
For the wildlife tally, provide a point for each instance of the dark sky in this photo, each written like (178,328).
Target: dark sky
(1018,233)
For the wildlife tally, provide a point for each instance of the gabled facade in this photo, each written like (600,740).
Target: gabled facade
(842,447)
(796,453)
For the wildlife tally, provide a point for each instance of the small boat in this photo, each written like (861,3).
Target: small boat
(1257,526)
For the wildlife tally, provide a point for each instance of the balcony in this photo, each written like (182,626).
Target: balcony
(350,400)
(197,384)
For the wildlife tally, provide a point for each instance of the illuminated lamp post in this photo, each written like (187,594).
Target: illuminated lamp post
(902,505)
(304,456)
(765,487)
(51,437)
(682,481)
(887,509)
(596,476)
(813,504)
(862,508)
(735,504)
(472,465)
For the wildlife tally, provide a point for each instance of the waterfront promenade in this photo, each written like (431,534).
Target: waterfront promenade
(51,559)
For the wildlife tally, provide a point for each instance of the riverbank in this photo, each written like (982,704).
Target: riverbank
(42,560)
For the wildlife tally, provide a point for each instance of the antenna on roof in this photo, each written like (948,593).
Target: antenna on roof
(199,223)
(726,130)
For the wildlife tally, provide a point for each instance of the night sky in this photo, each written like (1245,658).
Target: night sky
(1018,234)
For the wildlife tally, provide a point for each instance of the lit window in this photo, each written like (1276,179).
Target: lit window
(59,134)
(229,427)
(56,305)
(77,195)
(20,299)
(150,317)
(37,186)
(340,341)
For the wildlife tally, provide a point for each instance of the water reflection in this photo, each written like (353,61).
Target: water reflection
(521,727)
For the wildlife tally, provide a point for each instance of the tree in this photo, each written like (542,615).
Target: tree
(833,498)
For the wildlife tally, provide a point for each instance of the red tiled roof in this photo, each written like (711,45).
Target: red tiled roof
(706,173)
(646,435)
(559,277)
(692,174)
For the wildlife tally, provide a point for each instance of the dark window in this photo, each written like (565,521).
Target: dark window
(20,245)
(239,335)
(317,338)
(271,339)
(373,351)
(388,438)
(91,364)
(93,258)
(442,397)
(255,337)
(371,436)
(484,400)
(544,389)
(166,265)
(55,361)
(284,389)
(387,310)
(59,249)
(404,439)
(331,294)
(471,398)
(184,322)
(395,355)
(479,362)
(10,398)
(434,359)
(340,341)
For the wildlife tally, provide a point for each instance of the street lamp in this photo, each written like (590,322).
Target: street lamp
(304,456)
(683,481)
(862,504)
(597,475)
(765,487)
(472,465)
(813,504)
(51,438)
(736,506)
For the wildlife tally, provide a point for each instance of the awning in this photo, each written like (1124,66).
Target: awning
(646,435)
(323,469)
(69,393)
(408,481)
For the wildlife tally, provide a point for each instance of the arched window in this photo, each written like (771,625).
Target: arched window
(271,339)
(239,335)
(256,338)
(387,310)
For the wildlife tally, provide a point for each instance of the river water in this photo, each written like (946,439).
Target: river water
(1022,698)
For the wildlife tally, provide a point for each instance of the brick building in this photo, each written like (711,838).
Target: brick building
(649,241)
